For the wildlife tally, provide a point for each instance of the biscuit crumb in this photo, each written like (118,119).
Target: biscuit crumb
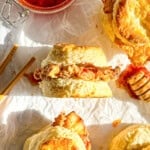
(116,122)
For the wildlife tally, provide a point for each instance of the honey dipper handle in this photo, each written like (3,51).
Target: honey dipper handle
(18,76)
(8,58)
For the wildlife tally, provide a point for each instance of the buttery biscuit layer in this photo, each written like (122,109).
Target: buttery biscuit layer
(127,23)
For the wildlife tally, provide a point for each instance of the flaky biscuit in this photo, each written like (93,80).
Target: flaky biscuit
(75,88)
(67,132)
(54,138)
(67,54)
(132,137)
(128,24)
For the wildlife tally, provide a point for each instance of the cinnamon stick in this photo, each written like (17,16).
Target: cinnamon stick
(18,76)
(8,58)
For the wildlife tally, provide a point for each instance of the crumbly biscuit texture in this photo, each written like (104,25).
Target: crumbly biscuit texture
(133,137)
(127,23)
(66,54)
(75,88)
(54,138)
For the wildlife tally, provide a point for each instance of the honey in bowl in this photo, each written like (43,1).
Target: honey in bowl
(44,3)
(45,6)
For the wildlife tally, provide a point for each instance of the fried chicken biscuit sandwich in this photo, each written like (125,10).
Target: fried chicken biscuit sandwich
(75,71)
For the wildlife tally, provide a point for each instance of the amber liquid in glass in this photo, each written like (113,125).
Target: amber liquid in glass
(44,3)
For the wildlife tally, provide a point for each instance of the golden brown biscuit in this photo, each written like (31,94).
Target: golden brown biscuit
(54,138)
(67,54)
(128,24)
(67,132)
(134,137)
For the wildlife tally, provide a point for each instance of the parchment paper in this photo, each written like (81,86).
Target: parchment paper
(26,111)
(24,116)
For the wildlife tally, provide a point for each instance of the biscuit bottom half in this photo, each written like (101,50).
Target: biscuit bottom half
(75,88)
